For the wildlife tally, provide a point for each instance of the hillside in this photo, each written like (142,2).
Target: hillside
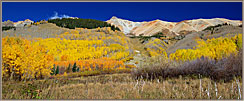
(173,28)
(48,30)
(153,27)
(124,25)
(81,23)
(46,61)
(18,23)
(190,40)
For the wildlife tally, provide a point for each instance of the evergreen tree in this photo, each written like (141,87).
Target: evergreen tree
(74,68)
(78,69)
(68,68)
(81,23)
(57,70)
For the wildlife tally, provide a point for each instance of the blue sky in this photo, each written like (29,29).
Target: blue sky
(135,11)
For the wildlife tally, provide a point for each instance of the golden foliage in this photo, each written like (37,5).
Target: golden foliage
(93,64)
(24,60)
(34,58)
(212,48)
(81,49)
(156,48)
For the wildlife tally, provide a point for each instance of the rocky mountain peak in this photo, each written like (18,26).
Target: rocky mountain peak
(152,27)
(114,17)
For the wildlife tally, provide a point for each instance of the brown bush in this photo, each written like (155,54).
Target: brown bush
(224,69)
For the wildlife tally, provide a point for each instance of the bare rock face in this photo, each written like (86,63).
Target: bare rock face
(169,28)
(17,24)
(8,23)
(23,23)
(182,26)
(201,24)
(152,27)
(124,25)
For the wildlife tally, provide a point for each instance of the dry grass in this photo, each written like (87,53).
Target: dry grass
(48,30)
(222,70)
(122,86)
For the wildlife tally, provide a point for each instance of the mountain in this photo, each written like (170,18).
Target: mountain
(23,23)
(200,24)
(189,40)
(47,30)
(8,23)
(169,28)
(153,27)
(124,25)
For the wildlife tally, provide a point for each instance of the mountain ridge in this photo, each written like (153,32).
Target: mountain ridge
(9,23)
(148,28)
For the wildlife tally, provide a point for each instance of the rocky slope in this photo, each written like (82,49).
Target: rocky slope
(17,24)
(152,27)
(124,25)
(8,23)
(23,23)
(170,28)
(48,30)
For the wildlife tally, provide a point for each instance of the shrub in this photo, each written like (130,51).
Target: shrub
(224,69)
(130,66)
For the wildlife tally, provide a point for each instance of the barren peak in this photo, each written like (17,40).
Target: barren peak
(157,20)
(28,20)
(151,26)
(114,17)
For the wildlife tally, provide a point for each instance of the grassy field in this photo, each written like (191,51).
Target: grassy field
(122,86)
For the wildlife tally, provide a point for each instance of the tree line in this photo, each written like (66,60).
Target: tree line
(81,23)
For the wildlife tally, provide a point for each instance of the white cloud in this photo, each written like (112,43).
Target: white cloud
(55,16)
